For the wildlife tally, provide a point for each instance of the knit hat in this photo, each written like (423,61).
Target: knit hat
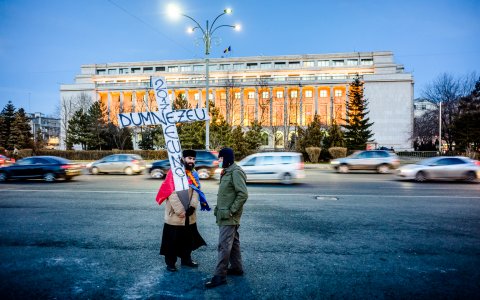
(187,153)
(228,157)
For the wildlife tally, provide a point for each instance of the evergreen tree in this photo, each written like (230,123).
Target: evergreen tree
(253,137)
(21,134)
(311,136)
(7,116)
(97,127)
(191,135)
(39,140)
(238,143)
(147,139)
(334,137)
(77,132)
(220,130)
(357,125)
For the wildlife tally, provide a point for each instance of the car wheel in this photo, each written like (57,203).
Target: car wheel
(383,169)
(49,177)
(3,177)
(471,176)
(420,177)
(157,173)
(94,171)
(203,173)
(128,171)
(68,178)
(287,178)
(342,169)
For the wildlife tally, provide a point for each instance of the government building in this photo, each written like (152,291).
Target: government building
(282,92)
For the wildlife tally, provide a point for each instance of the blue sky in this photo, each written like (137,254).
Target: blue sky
(44,43)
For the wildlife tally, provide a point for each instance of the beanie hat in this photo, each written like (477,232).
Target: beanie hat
(228,157)
(187,153)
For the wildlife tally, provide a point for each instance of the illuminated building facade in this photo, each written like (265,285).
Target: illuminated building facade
(281,92)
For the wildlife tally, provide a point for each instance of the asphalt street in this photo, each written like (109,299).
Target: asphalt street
(331,236)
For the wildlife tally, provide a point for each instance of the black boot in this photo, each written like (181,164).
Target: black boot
(215,281)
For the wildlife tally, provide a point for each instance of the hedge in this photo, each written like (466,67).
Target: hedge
(96,154)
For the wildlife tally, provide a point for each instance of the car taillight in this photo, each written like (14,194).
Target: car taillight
(66,166)
(300,166)
(135,161)
(215,162)
(477,162)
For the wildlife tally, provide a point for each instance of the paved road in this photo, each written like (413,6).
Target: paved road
(359,235)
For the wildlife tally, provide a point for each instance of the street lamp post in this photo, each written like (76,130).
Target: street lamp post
(207,33)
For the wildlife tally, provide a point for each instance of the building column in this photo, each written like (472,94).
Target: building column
(331,105)
(271,109)
(109,103)
(315,99)
(256,104)
(186,95)
(134,100)
(121,108)
(346,101)
(301,107)
(242,107)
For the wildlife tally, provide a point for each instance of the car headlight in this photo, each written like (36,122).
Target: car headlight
(334,162)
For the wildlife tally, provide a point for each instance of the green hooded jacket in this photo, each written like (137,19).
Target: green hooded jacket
(232,195)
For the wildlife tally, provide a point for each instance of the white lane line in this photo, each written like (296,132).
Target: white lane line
(257,194)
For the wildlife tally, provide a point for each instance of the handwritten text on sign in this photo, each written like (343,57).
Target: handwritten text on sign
(162,118)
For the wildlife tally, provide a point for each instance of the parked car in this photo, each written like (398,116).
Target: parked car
(379,160)
(285,167)
(118,163)
(6,160)
(206,163)
(48,168)
(441,168)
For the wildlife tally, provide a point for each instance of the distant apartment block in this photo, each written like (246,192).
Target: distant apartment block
(421,106)
(280,91)
(48,127)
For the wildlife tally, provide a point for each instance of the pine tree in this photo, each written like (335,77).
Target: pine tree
(334,137)
(21,134)
(7,117)
(77,132)
(238,142)
(311,136)
(96,126)
(253,137)
(357,125)
(191,135)
(220,130)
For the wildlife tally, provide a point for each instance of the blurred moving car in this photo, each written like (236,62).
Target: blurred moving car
(441,168)
(118,163)
(4,160)
(205,165)
(48,168)
(285,167)
(379,160)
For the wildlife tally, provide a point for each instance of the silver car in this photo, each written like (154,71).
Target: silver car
(379,160)
(442,168)
(118,163)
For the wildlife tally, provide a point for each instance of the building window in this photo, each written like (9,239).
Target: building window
(309,64)
(237,95)
(172,69)
(366,62)
(323,93)
(196,96)
(251,95)
(266,65)
(238,66)
(147,69)
(293,94)
(224,67)
(123,71)
(280,65)
(159,69)
(223,96)
(210,96)
(112,71)
(352,62)
(136,70)
(323,63)
(338,62)
(252,66)
(101,72)
(294,64)
(279,94)
(338,93)
(265,95)
(308,93)
(213,67)
(198,68)
(185,68)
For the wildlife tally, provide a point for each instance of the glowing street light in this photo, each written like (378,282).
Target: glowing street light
(207,33)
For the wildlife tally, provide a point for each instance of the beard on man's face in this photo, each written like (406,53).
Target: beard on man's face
(189,166)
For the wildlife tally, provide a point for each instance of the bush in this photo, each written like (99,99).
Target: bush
(337,152)
(23,153)
(313,153)
(325,155)
(97,154)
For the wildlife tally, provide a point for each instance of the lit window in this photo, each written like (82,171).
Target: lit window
(279,94)
(366,62)
(338,93)
(323,93)
(264,95)
(266,65)
(308,64)
(323,63)
(293,94)
(172,69)
(308,93)
(338,62)
(185,68)
(196,96)
(237,95)
(251,95)
(198,68)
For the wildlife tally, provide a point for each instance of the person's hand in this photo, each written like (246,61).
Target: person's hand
(190,211)
(182,214)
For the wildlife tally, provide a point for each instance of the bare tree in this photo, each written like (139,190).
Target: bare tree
(68,106)
(447,90)
(230,100)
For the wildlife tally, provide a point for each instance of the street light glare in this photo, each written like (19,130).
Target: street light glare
(228,11)
(238,27)
(173,11)
(190,30)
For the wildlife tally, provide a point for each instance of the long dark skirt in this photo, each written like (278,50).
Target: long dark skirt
(180,240)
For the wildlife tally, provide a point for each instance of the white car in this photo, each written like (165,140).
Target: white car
(285,167)
(441,168)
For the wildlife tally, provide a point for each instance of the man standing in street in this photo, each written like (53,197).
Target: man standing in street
(232,195)
(180,234)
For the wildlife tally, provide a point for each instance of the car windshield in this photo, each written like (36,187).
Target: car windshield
(427,161)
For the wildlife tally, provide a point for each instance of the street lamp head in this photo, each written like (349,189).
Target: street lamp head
(237,27)
(190,29)
(173,11)
(228,11)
